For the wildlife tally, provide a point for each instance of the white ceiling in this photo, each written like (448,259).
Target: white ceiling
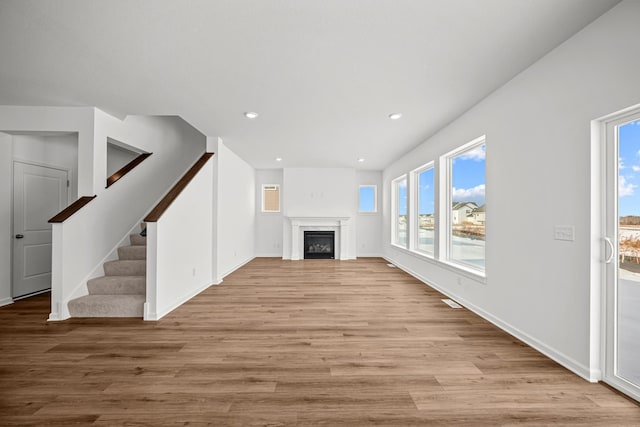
(323,75)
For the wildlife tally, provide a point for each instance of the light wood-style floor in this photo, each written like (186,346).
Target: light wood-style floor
(314,342)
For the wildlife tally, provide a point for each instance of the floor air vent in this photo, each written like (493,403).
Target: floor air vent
(451,303)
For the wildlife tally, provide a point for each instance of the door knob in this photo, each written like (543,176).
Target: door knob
(19,236)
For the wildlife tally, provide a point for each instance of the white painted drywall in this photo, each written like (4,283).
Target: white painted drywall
(538,159)
(58,151)
(236,212)
(58,119)
(182,255)
(268,240)
(92,235)
(369,225)
(6,239)
(320,192)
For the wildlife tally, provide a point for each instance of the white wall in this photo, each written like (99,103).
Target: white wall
(268,239)
(88,238)
(236,211)
(6,239)
(538,157)
(58,150)
(58,119)
(180,263)
(369,225)
(322,192)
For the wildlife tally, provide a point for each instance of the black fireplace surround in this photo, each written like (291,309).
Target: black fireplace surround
(319,245)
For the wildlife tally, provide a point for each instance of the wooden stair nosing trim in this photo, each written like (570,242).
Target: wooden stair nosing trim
(126,169)
(74,207)
(166,201)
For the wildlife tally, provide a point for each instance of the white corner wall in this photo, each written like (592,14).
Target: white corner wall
(369,225)
(268,239)
(538,162)
(236,213)
(180,258)
(6,239)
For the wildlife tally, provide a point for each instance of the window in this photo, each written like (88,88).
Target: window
(368,199)
(465,228)
(270,198)
(399,228)
(423,181)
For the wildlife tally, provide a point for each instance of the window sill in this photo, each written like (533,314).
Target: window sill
(475,275)
(368,213)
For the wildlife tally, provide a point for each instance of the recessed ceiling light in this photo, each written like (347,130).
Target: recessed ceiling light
(395,116)
(250,115)
(278,159)
(360,160)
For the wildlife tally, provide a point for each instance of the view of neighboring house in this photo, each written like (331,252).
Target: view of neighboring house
(478,215)
(461,210)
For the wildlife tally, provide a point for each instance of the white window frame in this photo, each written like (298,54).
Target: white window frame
(264,187)
(414,204)
(375,198)
(394,211)
(445,199)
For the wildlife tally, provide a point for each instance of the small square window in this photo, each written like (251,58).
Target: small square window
(368,199)
(270,198)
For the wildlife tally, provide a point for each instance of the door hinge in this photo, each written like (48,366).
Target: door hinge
(67,183)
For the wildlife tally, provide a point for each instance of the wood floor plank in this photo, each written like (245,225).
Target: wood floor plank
(282,343)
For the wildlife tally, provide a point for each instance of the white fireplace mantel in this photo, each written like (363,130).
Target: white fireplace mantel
(299,224)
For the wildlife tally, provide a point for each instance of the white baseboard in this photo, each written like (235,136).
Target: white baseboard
(6,301)
(559,357)
(241,264)
(369,256)
(166,310)
(265,255)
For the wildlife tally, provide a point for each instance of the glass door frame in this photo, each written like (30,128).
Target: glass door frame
(612,255)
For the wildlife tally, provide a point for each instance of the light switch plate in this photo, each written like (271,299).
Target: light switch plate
(564,232)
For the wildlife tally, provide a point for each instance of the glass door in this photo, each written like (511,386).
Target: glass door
(622,336)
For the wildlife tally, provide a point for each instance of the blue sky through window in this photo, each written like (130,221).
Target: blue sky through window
(367,199)
(402,197)
(629,169)
(468,176)
(426,195)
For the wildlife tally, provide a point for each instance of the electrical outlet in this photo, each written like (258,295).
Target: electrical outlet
(564,232)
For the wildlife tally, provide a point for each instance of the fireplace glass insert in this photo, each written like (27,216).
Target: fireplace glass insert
(319,245)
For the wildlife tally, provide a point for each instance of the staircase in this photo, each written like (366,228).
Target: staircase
(121,291)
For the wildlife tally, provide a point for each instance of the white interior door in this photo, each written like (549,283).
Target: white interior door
(622,309)
(39,193)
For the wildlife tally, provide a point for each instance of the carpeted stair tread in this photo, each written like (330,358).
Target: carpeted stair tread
(107,306)
(127,267)
(137,240)
(117,285)
(132,252)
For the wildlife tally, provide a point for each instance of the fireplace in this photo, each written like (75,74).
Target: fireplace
(319,245)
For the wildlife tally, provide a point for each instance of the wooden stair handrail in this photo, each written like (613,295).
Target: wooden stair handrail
(166,201)
(126,169)
(71,209)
